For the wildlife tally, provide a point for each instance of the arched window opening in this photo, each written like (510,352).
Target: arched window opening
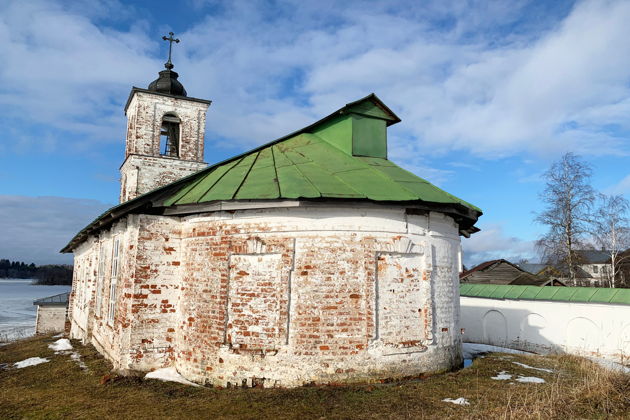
(169,136)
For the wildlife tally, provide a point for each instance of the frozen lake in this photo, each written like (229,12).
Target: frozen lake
(17,312)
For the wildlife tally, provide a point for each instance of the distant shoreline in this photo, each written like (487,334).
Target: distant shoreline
(33,282)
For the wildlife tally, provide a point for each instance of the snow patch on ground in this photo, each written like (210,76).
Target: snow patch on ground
(32,361)
(170,375)
(58,335)
(506,376)
(532,367)
(502,376)
(75,356)
(530,379)
(609,364)
(458,401)
(63,344)
(472,350)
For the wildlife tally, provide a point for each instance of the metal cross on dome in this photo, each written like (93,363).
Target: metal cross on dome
(170,40)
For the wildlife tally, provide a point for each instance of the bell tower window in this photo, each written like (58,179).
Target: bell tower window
(169,136)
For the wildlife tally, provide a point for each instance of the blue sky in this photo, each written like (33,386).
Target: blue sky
(490,93)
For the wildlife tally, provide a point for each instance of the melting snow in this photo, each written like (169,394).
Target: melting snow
(502,376)
(169,374)
(609,364)
(77,358)
(530,379)
(30,362)
(532,367)
(63,344)
(458,401)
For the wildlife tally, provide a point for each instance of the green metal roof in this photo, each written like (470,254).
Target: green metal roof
(342,156)
(548,293)
(307,166)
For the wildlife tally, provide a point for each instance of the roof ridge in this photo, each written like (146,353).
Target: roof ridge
(298,169)
(249,170)
(275,171)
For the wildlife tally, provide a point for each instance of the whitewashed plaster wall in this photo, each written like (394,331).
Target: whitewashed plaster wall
(89,319)
(50,319)
(587,329)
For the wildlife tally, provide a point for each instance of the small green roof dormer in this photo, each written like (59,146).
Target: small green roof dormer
(359,128)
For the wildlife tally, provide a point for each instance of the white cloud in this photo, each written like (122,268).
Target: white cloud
(34,229)
(493,95)
(63,71)
(622,187)
(492,243)
(494,78)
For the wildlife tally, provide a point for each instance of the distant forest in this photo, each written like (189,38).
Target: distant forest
(44,274)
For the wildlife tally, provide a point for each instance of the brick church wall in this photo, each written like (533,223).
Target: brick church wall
(280,297)
(289,296)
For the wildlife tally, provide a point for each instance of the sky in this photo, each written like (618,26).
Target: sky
(490,94)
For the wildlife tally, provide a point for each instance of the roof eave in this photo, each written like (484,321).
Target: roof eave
(168,95)
(463,216)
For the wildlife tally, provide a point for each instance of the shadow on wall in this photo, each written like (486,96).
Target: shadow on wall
(526,330)
(549,327)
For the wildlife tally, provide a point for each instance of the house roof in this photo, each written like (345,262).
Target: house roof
(561,294)
(532,267)
(60,299)
(501,272)
(592,256)
(309,164)
(484,266)
(528,279)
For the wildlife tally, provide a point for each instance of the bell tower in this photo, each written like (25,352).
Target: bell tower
(165,134)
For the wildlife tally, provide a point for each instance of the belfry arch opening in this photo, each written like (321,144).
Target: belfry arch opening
(169,135)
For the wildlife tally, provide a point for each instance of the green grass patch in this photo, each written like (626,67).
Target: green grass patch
(60,388)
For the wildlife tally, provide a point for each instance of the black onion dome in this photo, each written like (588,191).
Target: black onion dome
(168,83)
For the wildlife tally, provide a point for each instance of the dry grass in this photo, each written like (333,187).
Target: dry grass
(60,389)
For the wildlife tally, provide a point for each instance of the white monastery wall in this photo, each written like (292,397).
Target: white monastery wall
(280,297)
(50,319)
(586,329)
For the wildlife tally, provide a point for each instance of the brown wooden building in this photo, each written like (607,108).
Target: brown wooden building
(504,272)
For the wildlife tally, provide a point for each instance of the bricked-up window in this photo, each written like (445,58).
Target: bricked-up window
(258,293)
(113,282)
(404,301)
(100,279)
(169,136)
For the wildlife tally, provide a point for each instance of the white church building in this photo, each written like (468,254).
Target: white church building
(309,259)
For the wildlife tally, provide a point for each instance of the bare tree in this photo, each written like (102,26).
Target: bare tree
(569,198)
(611,231)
